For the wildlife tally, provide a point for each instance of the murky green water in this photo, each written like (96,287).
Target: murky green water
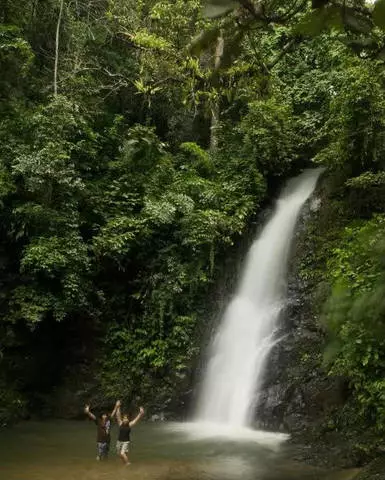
(66,451)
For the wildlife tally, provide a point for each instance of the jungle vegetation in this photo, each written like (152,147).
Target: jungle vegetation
(139,140)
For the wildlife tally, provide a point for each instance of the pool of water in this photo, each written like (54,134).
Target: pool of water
(65,450)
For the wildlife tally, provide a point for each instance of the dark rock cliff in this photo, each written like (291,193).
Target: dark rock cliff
(298,397)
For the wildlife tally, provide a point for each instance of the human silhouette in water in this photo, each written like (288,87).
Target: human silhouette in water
(125,425)
(103,427)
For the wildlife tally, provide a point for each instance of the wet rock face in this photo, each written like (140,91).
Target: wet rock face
(297,393)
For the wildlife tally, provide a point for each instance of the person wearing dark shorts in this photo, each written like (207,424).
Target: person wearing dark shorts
(103,427)
(124,438)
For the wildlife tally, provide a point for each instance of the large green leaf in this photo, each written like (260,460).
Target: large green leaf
(217,8)
(314,22)
(379,13)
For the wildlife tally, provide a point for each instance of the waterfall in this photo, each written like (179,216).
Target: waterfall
(246,335)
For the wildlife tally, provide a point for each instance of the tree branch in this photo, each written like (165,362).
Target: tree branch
(57,47)
(282,53)
(255,10)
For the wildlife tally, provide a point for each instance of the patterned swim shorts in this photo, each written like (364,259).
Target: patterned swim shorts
(122,447)
(102,450)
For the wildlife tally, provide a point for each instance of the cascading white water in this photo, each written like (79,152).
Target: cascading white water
(247,331)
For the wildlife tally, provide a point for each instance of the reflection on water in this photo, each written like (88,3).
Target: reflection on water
(66,451)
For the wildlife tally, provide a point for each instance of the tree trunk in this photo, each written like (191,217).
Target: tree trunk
(4,12)
(57,47)
(215,110)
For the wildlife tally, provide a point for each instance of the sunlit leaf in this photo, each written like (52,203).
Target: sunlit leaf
(148,40)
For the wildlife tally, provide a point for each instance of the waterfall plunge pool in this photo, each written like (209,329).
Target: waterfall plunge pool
(64,450)
(201,431)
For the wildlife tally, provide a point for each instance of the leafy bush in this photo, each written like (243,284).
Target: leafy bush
(268,136)
(188,210)
(355,129)
(355,314)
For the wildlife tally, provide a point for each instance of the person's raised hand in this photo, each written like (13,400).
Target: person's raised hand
(87,409)
(141,410)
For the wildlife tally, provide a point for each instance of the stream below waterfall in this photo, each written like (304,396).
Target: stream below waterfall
(64,450)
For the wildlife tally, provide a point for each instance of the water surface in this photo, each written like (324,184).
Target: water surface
(66,451)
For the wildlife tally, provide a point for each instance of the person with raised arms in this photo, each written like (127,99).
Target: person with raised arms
(103,437)
(125,425)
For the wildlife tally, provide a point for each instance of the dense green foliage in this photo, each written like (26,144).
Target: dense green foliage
(355,317)
(139,141)
(112,223)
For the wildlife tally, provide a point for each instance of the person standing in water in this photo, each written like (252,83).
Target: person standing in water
(103,437)
(125,425)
